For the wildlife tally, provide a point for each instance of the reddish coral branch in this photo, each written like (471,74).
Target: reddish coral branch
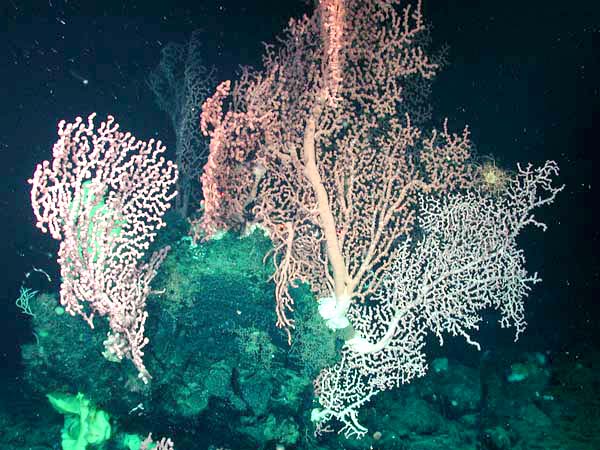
(341,175)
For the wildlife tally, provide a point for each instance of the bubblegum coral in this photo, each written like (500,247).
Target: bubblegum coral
(163,444)
(103,196)
(329,165)
(466,262)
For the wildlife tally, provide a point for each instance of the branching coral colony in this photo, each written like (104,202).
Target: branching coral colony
(321,150)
